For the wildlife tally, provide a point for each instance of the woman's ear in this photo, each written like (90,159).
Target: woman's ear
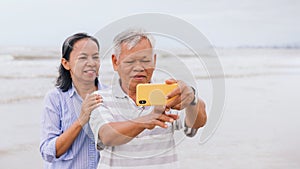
(65,63)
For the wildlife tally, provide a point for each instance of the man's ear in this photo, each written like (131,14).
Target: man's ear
(65,64)
(114,60)
(154,57)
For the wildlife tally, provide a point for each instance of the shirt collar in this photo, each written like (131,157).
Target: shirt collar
(72,91)
(118,91)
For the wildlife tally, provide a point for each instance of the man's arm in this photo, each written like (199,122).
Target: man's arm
(118,133)
(196,114)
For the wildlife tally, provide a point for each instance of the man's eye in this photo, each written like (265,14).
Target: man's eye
(145,61)
(129,61)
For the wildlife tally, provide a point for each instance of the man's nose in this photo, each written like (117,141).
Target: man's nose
(139,66)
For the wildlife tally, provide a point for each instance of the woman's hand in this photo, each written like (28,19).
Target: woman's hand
(90,102)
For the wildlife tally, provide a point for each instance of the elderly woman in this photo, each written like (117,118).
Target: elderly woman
(66,137)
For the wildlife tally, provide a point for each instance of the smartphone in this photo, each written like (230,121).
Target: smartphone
(153,94)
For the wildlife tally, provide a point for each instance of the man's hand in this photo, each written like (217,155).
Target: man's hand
(121,132)
(156,118)
(184,95)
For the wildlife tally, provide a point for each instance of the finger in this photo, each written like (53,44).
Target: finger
(173,93)
(186,93)
(183,104)
(160,123)
(87,96)
(178,107)
(174,102)
(178,91)
(93,107)
(88,102)
(166,118)
(173,116)
(170,81)
(96,103)
(95,99)
(88,99)
(159,109)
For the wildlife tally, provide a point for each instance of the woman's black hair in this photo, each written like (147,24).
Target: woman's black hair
(64,80)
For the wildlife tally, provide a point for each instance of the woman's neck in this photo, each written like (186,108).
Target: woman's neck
(84,89)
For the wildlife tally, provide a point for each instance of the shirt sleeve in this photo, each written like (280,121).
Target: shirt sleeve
(180,123)
(100,116)
(51,128)
(177,124)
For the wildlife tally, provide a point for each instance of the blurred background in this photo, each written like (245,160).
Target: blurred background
(257,43)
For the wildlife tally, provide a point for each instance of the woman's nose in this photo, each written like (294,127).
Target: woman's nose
(91,61)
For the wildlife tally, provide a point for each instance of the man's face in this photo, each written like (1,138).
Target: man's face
(135,65)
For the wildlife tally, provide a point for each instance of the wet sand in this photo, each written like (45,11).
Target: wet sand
(260,126)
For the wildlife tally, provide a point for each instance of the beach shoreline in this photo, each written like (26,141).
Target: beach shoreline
(259,128)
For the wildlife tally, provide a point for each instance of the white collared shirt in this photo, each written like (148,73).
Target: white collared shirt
(150,149)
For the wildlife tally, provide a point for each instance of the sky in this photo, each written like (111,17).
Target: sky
(225,23)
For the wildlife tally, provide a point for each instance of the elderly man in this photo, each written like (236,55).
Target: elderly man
(131,136)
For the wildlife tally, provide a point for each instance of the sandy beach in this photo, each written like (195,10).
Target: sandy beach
(259,128)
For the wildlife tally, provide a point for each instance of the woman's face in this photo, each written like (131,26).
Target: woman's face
(84,61)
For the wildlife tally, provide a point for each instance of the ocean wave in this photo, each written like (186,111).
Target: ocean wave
(245,75)
(26,77)
(6,58)
(20,98)
(34,57)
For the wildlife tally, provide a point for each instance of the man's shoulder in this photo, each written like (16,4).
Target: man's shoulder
(104,92)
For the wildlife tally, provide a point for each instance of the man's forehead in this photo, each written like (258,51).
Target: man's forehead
(142,43)
(137,56)
(148,52)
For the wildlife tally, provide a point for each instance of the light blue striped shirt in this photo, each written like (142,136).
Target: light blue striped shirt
(61,110)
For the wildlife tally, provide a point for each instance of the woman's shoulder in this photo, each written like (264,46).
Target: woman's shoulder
(55,92)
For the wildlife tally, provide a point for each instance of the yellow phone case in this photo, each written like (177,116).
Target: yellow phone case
(153,94)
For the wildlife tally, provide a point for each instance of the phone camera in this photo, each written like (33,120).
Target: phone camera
(142,101)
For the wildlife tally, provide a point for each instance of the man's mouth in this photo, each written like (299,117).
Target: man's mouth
(139,77)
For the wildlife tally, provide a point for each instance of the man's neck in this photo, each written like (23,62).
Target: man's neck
(130,92)
(132,95)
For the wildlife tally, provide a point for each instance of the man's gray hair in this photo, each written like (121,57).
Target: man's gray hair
(131,38)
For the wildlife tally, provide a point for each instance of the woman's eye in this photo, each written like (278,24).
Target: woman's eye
(95,57)
(82,57)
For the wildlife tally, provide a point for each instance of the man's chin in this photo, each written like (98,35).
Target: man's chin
(134,83)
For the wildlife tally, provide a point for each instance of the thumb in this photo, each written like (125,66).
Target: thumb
(170,81)
(86,96)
